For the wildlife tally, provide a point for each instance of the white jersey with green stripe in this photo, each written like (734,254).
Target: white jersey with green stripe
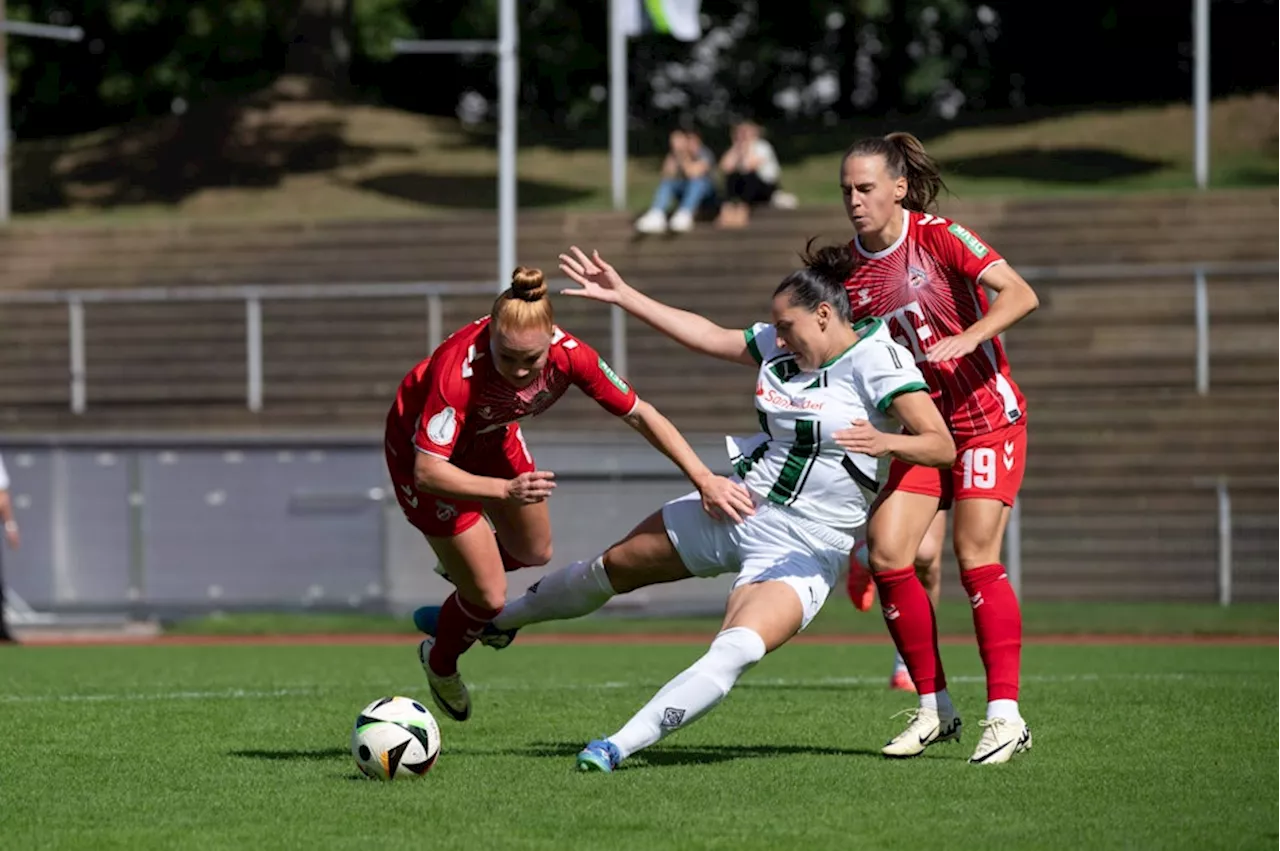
(795,461)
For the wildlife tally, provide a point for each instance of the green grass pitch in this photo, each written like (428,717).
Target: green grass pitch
(205,747)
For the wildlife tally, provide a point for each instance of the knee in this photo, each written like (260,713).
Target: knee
(491,596)
(974,552)
(532,554)
(880,559)
(928,555)
(929,573)
(623,577)
(540,554)
(732,653)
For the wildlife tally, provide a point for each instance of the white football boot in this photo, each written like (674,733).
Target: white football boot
(450,693)
(926,727)
(1001,739)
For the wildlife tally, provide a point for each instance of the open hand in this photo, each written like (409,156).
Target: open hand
(953,348)
(724,499)
(863,438)
(599,281)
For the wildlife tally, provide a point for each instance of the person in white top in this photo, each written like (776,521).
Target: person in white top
(11,536)
(751,172)
(834,403)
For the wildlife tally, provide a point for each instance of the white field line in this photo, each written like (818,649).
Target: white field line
(331,688)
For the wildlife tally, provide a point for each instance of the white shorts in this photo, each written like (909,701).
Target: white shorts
(773,545)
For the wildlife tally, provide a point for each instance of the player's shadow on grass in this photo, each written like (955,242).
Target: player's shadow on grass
(292,755)
(674,755)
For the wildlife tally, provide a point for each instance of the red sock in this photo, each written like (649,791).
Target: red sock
(457,629)
(997,620)
(911,621)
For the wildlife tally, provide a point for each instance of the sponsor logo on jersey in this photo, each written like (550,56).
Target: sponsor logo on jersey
(613,376)
(443,427)
(777,400)
(970,241)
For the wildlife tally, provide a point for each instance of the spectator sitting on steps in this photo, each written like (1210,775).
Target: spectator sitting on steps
(686,180)
(751,170)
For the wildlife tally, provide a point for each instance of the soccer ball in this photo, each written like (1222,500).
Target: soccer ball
(395,738)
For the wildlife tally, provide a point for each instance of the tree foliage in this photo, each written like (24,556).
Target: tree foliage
(768,58)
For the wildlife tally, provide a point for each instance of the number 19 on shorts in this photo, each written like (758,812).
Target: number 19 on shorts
(991,466)
(979,468)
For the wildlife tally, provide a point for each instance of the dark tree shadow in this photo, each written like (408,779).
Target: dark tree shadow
(228,142)
(1064,165)
(466,191)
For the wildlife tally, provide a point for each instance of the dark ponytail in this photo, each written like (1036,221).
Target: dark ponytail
(821,280)
(905,156)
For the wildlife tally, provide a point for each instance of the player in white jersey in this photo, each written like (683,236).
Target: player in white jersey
(834,402)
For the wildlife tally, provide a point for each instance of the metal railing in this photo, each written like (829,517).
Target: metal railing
(434,291)
(253,295)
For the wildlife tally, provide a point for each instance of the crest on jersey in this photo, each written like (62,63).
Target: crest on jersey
(864,296)
(486,413)
(442,427)
(916,277)
(542,397)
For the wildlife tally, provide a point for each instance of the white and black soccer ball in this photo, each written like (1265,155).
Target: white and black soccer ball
(395,738)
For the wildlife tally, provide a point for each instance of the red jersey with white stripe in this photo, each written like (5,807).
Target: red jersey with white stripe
(926,287)
(455,400)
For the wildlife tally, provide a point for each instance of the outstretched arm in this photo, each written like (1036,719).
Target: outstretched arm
(721,498)
(601,282)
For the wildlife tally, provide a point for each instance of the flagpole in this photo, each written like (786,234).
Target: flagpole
(618,104)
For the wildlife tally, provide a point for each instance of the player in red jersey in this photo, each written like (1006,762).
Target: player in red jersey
(925,274)
(456,455)
(928,564)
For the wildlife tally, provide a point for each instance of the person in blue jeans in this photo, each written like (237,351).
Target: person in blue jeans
(687,173)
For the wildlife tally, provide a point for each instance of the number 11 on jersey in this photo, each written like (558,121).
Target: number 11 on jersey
(908,326)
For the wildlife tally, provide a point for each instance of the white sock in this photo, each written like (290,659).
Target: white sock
(939,701)
(569,592)
(1006,709)
(692,693)
(899,664)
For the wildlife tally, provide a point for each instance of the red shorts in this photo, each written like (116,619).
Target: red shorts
(988,466)
(500,456)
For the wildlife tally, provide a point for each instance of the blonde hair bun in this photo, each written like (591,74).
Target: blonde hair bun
(528,284)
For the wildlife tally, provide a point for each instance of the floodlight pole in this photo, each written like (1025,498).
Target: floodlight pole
(7,28)
(618,104)
(505,48)
(1200,91)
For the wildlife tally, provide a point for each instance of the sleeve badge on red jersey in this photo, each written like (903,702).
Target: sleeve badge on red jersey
(612,376)
(442,427)
(970,241)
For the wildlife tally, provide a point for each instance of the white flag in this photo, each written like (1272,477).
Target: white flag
(677,18)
